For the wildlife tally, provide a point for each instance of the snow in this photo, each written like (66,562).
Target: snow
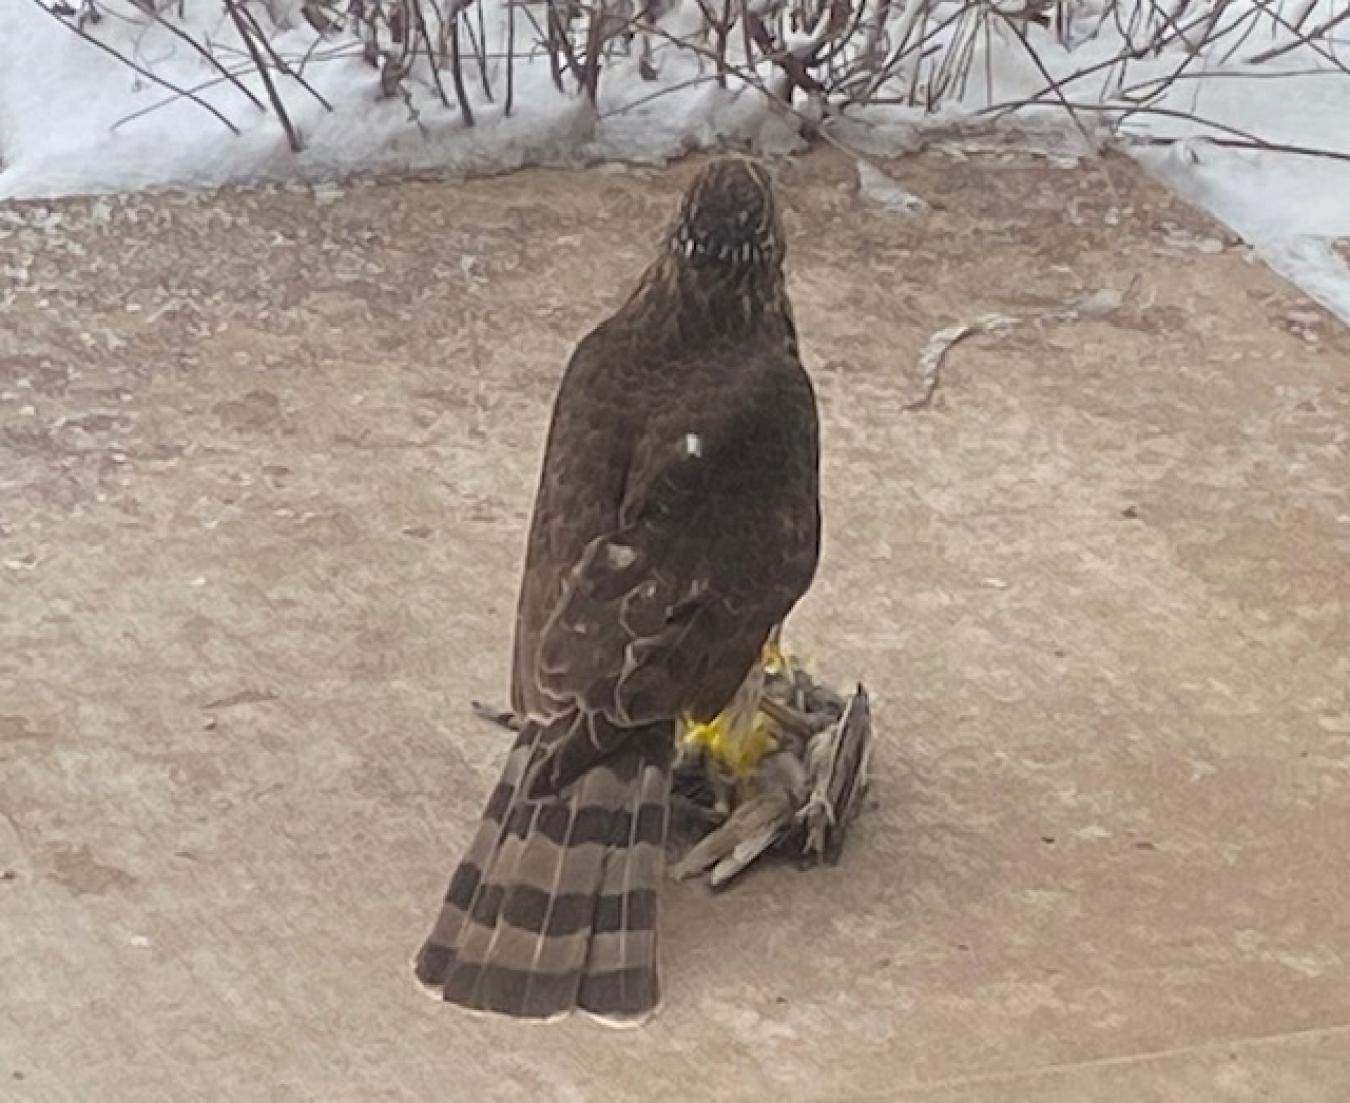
(66,124)
(64,108)
(1291,209)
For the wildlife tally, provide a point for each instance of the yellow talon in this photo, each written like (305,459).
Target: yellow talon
(737,738)
(774,659)
(737,753)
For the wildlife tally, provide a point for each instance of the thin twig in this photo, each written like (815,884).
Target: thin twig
(935,351)
(158,104)
(785,59)
(479,43)
(590,71)
(243,70)
(456,66)
(1260,145)
(280,63)
(313,48)
(1236,137)
(209,57)
(1095,306)
(431,54)
(1008,107)
(139,69)
(1059,92)
(510,56)
(292,135)
(1320,31)
(661,93)
(1304,40)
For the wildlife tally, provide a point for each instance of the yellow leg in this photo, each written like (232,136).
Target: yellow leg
(740,735)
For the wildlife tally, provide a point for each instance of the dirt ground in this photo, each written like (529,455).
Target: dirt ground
(265,463)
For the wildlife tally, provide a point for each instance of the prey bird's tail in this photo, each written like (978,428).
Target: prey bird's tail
(554,907)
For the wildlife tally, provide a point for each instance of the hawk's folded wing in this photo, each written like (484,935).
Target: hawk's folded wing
(716,538)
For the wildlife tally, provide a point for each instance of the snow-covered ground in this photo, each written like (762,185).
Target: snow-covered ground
(76,120)
(65,107)
(1294,210)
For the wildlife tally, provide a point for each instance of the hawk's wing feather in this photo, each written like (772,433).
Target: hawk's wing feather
(716,539)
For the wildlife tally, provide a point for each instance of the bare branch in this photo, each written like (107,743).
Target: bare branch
(457,67)
(838,52)
(140,69)
(240,25)
(431,54)
(280,62)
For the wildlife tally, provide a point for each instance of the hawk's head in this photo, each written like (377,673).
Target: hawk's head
(728,219)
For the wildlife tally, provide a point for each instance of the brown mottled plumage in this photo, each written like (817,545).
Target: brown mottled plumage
(676,524)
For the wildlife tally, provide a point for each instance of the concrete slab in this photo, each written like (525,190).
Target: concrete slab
(266,466)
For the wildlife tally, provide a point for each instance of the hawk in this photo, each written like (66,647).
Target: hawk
(676,523)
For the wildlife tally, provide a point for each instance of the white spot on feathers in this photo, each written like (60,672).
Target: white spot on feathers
(693,445)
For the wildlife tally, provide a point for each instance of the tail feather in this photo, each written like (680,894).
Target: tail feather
(554,906)
(611,986)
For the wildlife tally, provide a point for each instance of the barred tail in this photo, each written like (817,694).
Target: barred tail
(555,905)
